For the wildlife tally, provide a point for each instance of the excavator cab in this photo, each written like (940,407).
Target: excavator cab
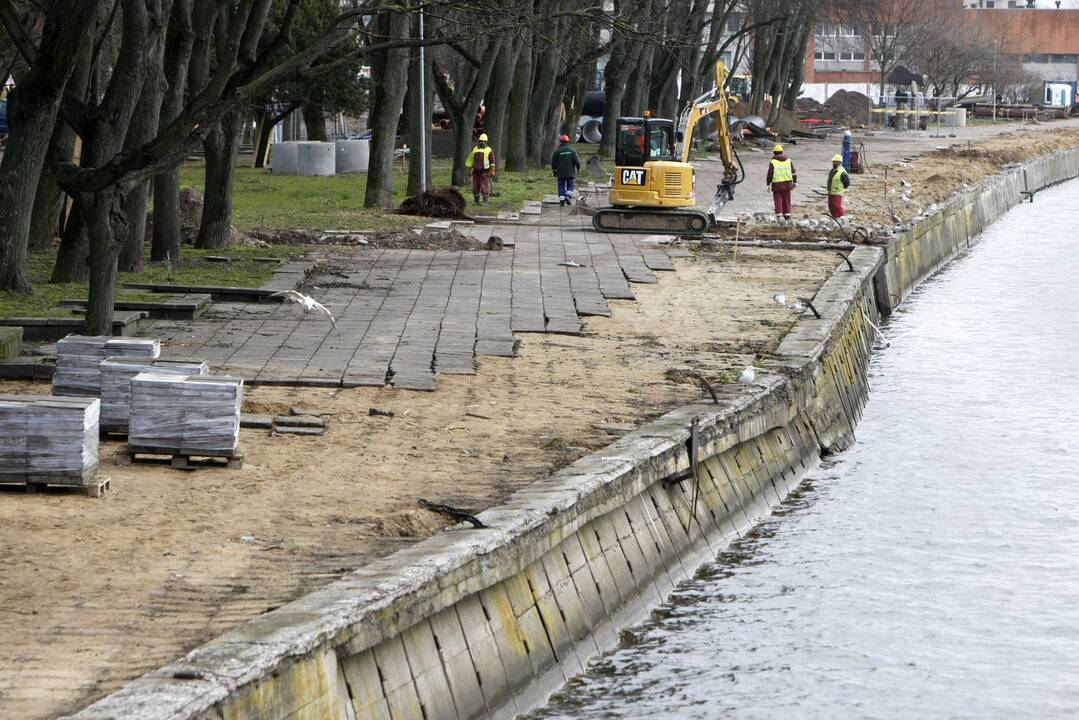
(640,140)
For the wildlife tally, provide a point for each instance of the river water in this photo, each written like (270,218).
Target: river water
(933,569)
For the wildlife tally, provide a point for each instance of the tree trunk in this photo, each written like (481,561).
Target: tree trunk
(143,129)
(32,109)
(221,146)
(166,240)
(102,214)
(389,72)
(517,130)
(494,119)
(49,199)
(32,116)
(314,119)
(546,64)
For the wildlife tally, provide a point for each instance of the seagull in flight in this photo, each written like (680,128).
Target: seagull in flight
(307,302)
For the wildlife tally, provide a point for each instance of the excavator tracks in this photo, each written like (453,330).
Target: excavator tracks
(638,220)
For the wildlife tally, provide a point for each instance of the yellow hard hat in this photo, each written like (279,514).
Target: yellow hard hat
(483,137)
(777,149)
(837,158)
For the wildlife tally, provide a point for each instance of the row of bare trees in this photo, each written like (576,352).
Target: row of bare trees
(139,84)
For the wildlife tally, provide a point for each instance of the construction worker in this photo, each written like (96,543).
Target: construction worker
(564,166)
(782,179)
(481,163)
(838,182)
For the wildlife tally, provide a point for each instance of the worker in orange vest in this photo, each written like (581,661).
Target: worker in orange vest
(782,179)
(481,163)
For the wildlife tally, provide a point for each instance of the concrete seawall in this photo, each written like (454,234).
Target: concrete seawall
(922,249)
(488,622)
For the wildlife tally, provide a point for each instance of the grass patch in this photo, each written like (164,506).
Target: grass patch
(192,269)
(266,201)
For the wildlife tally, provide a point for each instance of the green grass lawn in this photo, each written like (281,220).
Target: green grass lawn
(263,200)
(192,269)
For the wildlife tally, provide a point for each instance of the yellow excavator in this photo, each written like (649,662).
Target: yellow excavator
(654,184)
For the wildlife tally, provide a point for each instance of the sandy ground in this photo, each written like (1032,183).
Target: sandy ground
(95,592)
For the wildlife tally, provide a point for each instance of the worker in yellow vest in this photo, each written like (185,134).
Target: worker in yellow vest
(838,182)
(481,163)
(782,179)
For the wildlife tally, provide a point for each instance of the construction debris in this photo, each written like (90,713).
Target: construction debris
(78,360)
(445,203)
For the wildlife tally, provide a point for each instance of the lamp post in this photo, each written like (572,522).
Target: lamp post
(423,119)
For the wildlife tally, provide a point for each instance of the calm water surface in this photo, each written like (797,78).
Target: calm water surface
(932,571)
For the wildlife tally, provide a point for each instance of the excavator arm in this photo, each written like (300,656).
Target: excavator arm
(714,101)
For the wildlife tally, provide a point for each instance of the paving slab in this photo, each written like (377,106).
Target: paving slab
(402,317)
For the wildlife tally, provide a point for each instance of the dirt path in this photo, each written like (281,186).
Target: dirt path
(93,593)
(934,168)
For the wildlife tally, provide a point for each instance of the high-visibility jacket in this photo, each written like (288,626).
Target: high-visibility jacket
(782,171)
(481,158)
(836,185)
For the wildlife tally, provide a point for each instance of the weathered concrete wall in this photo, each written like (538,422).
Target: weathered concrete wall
(476,623)
(933,241)
(473,623)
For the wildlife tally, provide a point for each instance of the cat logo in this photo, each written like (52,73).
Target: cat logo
(632,177)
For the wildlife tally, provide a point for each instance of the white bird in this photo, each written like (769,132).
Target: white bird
(780,299)
(796,307)
(307,302)
(748,375)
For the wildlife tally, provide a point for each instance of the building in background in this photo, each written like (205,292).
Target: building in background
(1042,40)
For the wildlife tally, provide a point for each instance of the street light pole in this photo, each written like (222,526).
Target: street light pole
(423,119)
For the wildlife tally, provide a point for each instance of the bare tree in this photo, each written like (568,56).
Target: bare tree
(894,29)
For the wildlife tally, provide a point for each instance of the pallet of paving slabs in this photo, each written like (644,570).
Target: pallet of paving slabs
(185,416)
(47,440)
(78,360)
(116,375)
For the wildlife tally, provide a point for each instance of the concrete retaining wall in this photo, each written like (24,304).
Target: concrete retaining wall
(473,623)
(929,244)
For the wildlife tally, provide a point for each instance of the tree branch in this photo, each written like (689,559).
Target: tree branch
(9,17)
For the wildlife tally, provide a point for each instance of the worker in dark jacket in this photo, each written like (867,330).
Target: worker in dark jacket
(481,164)
(564,165)
(838,182)
(782,179)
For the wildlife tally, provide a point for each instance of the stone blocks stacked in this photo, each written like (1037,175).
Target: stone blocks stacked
(49,440)
(188,415)
(78,360)
(116,376)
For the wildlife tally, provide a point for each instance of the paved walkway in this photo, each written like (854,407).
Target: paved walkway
(404,316)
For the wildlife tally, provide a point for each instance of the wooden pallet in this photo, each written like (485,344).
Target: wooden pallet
(33,484)
(180,459)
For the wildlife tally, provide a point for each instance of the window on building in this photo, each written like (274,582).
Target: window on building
(1064,59)
(1040,58)
(990,4)
(859,55)
(848,31)
(825,31)
(734,24)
